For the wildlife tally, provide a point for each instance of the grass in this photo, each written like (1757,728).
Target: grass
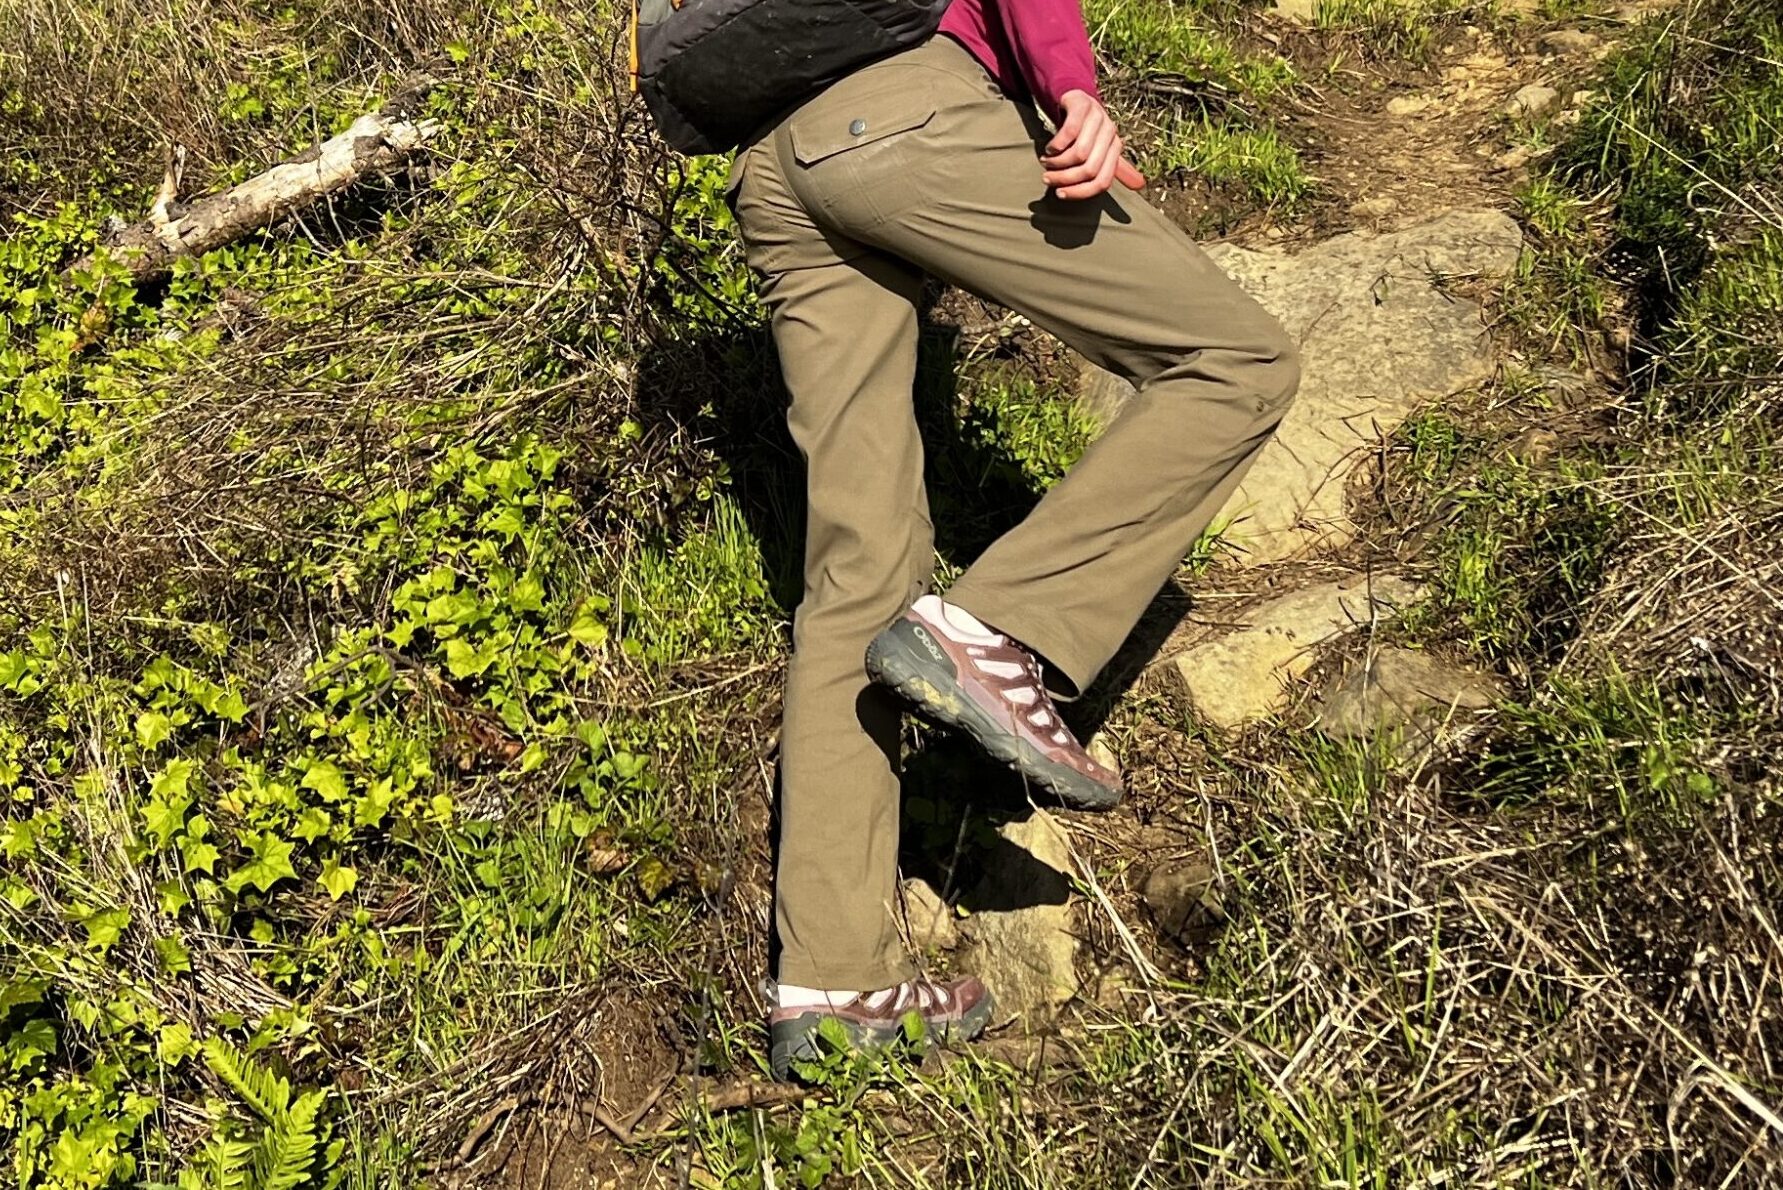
(1395,29)
(1256,159)
(392,606)
(1171,37)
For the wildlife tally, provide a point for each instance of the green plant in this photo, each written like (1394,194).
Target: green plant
(282,1146)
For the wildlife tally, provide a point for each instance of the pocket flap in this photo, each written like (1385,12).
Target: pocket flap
(835,127)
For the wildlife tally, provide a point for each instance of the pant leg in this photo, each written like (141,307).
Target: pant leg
(945,174)
(845,324)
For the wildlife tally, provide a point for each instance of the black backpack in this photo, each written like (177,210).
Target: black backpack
(714,72)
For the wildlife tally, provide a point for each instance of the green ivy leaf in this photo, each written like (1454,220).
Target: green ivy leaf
(34,1039)
(175,958)
(174,1044)
(314,823)
(370,809)
(173,781)
(199,856)
(105,927)
(21,992)
(230,706)
(528,594)
(152,727)
(463,661)
(338,879)
(270,864)
(326,779)
(164,817)
(587,627)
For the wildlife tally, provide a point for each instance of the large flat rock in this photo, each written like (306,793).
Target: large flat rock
(1380,335)
(1240,674)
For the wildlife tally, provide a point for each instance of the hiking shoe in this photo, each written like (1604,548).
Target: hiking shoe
(989,687)
(954,1011)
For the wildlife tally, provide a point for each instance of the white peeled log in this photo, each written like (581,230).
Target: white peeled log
(371,144)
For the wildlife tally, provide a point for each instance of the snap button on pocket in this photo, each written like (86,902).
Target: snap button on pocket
(818,133)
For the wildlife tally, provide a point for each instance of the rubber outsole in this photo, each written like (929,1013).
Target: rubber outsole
(797,1040)
(932,689)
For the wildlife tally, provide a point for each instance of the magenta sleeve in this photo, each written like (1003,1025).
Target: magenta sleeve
(1051,45)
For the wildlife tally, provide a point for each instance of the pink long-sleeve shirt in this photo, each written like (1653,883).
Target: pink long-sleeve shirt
(1037,48)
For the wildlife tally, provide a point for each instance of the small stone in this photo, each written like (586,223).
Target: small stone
(1378,207)
(1298,12)
(1514,159)
(932,921)
(1180,896)
(1536,445)
(1532,102)
(1570,41)
(1408,105)
(1102,753)
(1239,677)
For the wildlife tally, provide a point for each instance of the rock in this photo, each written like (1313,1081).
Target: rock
(1180,896)
(1570,41)
(932,921)
(1378,339)
(1378,207)
(1512,159)
(1297,12)
(1241,676)
(1023,938)
(1102,753)
(1409,105)
(1536,445)
(1532,102)
(1402,691)
(1100,393)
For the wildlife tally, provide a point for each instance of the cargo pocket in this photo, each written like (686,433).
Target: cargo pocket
(855,154)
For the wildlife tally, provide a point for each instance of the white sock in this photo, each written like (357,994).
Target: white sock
(789,995)
(959,624)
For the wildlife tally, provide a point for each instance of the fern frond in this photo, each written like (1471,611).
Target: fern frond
(265,1092)
(285,1151)
(223,1164)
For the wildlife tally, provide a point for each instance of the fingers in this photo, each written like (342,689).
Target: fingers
(1084,125)
(1103,179)
(1076,114)
(1086,157)
(1096,152)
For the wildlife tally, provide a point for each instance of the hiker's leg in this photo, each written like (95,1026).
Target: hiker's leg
(845,325)
(954,186)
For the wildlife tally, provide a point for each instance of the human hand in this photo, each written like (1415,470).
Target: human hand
(1084,159)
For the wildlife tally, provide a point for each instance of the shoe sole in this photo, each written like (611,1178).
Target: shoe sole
(928,682)
(797,1040)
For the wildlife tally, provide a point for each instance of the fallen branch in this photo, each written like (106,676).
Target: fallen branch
(372,144)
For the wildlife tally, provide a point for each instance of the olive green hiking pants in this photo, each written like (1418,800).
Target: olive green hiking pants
(919,164)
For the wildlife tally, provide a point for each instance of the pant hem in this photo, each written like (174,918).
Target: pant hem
(833,977)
